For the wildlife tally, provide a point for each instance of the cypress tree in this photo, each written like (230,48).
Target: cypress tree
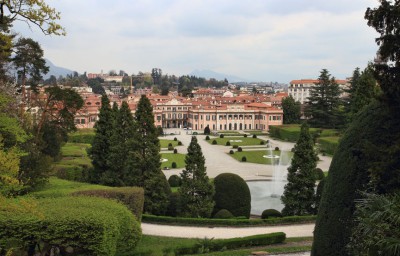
(367,157)
(144,160)
(196,191)
(101,142)
(299,193)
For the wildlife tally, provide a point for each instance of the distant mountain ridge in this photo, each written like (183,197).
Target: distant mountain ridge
(218,76)
(56,70)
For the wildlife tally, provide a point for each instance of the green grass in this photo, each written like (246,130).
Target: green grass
(74,149)
(179,159)
(257,132)
(164,143)
(58,187)
(243,141)
(256,156)
(228,132)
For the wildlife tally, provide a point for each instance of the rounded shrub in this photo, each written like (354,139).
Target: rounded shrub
(231,152)
(179,143)
(207,137)
(174,180)
(227,143)
(276,148)
(262,142)
(175,139)
(170,144)
(175,151)
(240,149)
(245,135)
(223,214)
(173,165)
(233,194)
(254,136)
(319,174)
(271,213)
(235,146)
(214,142)
(244,159)
(221,136)
(170,147)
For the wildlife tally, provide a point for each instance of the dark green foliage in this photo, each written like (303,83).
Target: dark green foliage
(207,137)
(131,197)
(144,160)
(174,204)
(318,194)
(328,145)
(101,142)
(232,243)
(175,139)
(367,157)
(244,159)
(160,131)
(175,151)
(174,180)
(170,147)
(227,143)
(324,104)
(73,173)
(173,165)
(290,133)
(319,174)
(223,214)
(81,138)
(231,152)
(207,130)
(291,110)
(196,191)
(378,226)
(179,143)
(235,146)
(270,213)
(108,227)
(254,136)
(262,142)
(239,149)
(245,135)
(221,136)
(299,194)
(276,148)
(214,142)
(232,194)
(170,144)
(227,222)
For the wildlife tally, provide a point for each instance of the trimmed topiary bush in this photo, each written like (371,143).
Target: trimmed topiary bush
(244,159)
(231,152)
(262,142)
(235,146)
(245,135)
(170,148)
(227,143)
(240,149)
(254,136)
(174,180)
(214,142)
(173,165)
(207,137)
(319,174)
(221,136)
(175,151)
(223,214)
(175,139)
(232,194)
(271,213)
(179,143)
(276,148)
(170,144)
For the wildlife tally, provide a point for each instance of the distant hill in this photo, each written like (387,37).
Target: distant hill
(56,71)
(218,76)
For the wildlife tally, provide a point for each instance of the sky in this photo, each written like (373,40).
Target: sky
(258,40)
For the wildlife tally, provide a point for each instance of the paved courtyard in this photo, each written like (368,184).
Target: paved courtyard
(218,160)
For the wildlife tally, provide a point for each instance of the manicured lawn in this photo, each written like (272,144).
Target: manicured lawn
(257,156)
(74,149)
(240,141)
(164,143)
(257,132)
(225,132)
(179,159)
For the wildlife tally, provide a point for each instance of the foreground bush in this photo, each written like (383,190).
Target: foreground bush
(232,194)
(174,181)
(87,226)
(271,213)
(232,243)
(223,214)
(131,197)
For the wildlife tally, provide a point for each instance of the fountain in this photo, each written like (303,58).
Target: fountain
(266,194)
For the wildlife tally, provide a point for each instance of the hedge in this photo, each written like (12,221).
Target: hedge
(131,197)
(72,172)
(81,138)
(290,133)
(226,222)
(328,144)
(232,243)
(89,226)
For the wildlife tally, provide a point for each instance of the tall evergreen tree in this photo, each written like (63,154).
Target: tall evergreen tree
(367,157)
(299,194)
(291,110)
(196,191)
(144,160)
(123,131)
(101,143)
(323,106)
